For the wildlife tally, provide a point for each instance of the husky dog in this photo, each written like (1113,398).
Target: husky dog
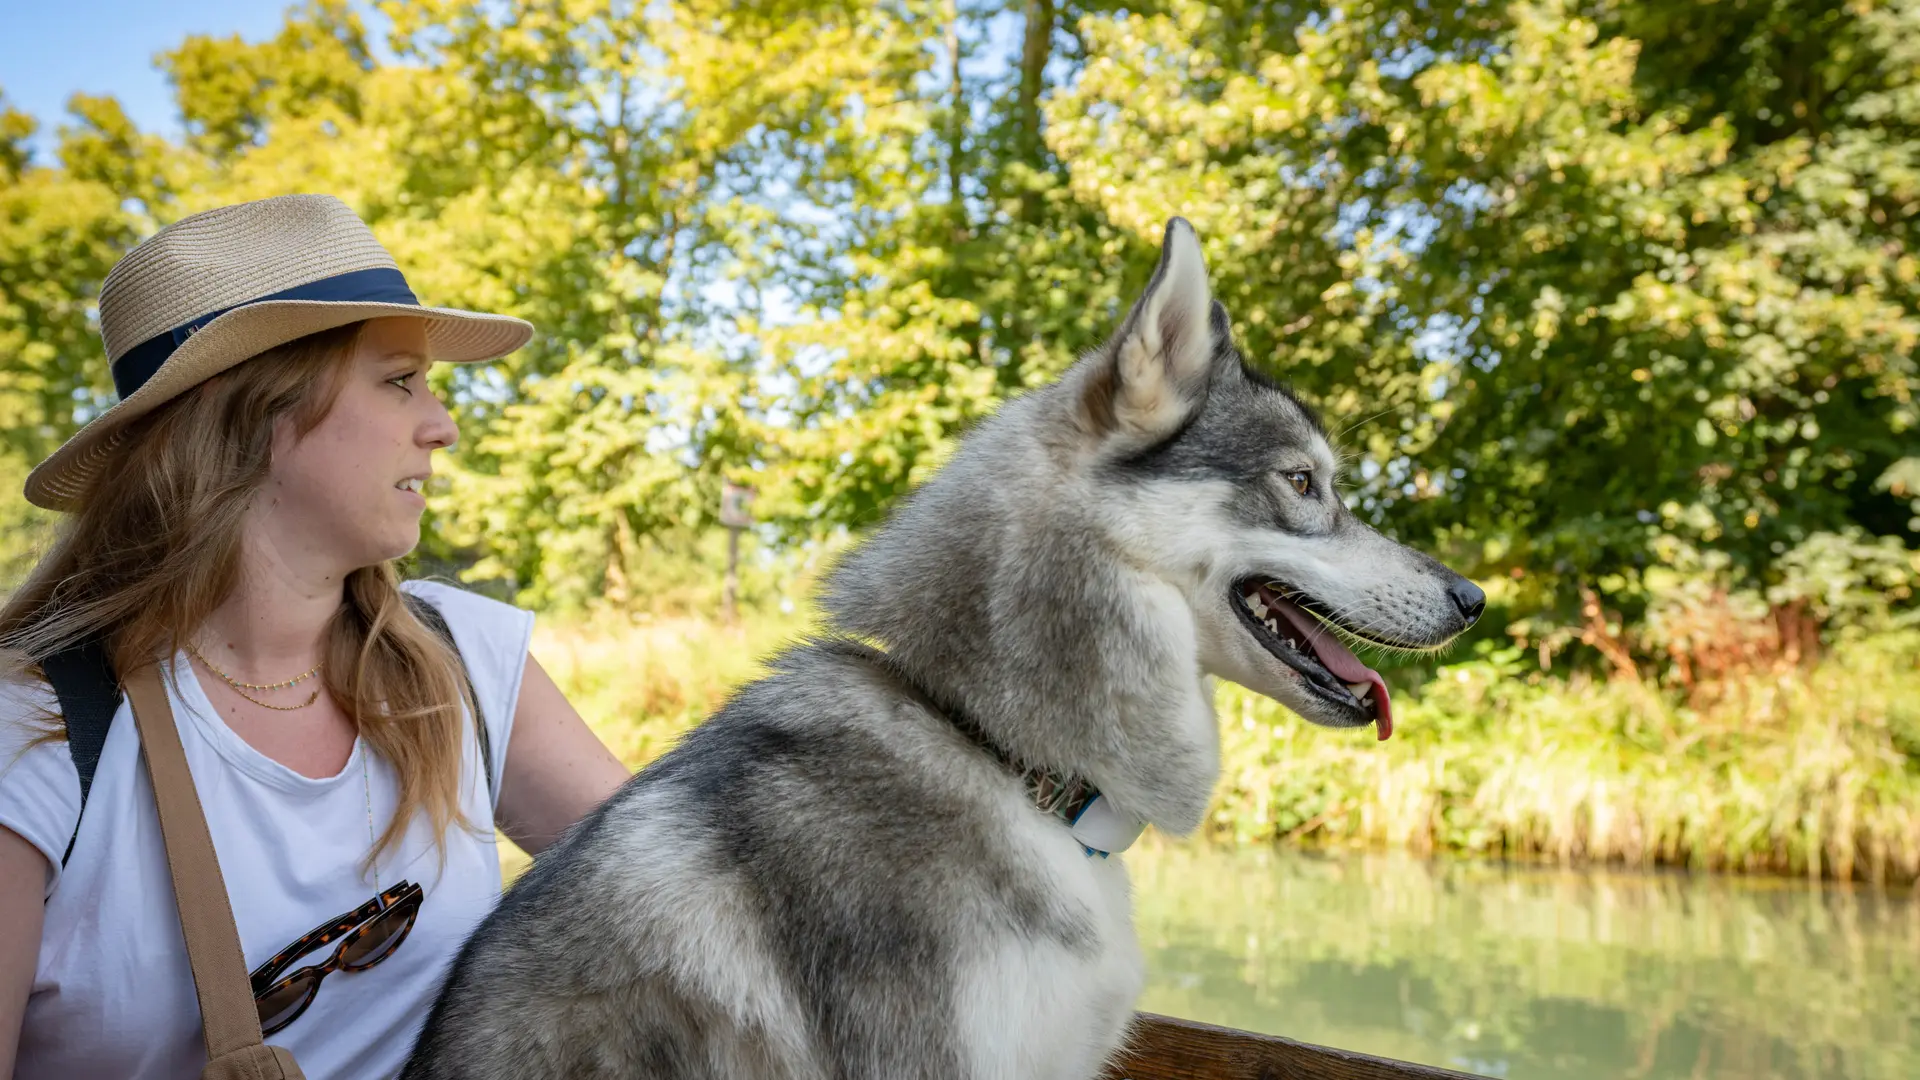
(886,858)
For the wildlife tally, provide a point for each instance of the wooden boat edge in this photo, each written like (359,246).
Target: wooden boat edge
(1171,1048)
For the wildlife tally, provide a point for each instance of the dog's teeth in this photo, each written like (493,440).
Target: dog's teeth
(1360,689)
(1259,608)
(1273,625)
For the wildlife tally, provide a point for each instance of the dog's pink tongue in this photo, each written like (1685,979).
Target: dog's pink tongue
(1336,658)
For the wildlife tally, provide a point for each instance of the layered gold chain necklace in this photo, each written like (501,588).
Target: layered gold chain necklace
(241,688)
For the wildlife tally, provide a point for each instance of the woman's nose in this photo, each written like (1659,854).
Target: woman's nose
(440,432)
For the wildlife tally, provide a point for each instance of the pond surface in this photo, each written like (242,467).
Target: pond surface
(1525,972)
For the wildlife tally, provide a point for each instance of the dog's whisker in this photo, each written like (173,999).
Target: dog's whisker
(1357,424)
(1335,615)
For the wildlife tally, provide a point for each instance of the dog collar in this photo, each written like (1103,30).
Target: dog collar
(1100,827)
(1103,828)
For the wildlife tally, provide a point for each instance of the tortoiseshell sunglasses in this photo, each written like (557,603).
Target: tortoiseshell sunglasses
(372,932)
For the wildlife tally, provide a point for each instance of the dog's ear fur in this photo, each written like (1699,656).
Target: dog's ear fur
(1153,374)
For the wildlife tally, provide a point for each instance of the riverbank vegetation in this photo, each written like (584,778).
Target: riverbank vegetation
(1810,770)
(1808,766)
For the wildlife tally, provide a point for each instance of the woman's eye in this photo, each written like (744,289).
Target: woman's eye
(1300,479)
(401,381)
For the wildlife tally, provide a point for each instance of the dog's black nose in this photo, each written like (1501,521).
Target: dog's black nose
(1468,598)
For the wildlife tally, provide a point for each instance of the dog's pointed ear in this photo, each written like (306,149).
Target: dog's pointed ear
(1154,373)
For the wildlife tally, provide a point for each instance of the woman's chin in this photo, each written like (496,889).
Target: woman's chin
(397,542)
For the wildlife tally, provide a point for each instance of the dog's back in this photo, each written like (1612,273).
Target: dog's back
(824,880)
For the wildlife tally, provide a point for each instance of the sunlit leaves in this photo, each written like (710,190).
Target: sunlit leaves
(1581,286)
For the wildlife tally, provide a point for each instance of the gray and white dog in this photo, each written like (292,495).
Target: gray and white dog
(879,861)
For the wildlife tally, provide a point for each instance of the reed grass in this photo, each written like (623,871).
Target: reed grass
(641,684)
(1808,770)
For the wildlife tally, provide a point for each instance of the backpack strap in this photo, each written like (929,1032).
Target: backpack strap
(83,680)
(89,695)
(430,615)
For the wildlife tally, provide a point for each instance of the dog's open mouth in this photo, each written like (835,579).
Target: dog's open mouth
(1280,620)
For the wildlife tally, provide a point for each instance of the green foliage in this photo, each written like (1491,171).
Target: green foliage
(1600,310)
(1808,770)
(231,93)
(1609,294)
(60,231)
(1849,580)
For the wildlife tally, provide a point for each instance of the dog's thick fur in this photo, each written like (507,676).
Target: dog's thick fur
(832,877)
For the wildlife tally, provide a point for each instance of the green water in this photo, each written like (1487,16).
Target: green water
(1522,972)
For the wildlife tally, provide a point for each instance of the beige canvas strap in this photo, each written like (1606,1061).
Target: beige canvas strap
(230,1022)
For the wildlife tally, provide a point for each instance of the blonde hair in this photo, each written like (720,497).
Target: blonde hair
(155,547)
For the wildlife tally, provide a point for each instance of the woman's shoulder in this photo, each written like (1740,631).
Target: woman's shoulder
(29,712)
(39,785)
(494,639)
(464,606)
(493,636)
(24,689)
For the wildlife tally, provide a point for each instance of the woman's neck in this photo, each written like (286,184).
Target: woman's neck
(272,625)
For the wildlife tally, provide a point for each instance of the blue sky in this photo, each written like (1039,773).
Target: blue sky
(50,49)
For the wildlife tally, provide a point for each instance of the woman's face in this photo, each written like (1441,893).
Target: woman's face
(347,494)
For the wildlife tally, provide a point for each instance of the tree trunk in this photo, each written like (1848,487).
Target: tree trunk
(1033,69)
(956,126)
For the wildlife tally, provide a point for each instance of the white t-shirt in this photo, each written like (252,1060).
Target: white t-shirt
(113,993)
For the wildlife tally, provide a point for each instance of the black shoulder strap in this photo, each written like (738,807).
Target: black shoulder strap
(89,695)
(427,613)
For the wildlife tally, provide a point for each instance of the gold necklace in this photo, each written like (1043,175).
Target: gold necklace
(238,685)
(367,786)
(241,688)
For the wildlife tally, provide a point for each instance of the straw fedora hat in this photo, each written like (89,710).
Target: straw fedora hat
(220,287)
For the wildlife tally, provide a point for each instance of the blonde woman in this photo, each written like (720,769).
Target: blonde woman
(234,519)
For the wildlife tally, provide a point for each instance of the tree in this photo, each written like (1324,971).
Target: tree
(61,229)
(1597,293)
(1622,302)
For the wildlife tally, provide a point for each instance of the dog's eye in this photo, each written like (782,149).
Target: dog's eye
(1300,479)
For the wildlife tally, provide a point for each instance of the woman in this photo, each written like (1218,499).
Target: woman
(235,519)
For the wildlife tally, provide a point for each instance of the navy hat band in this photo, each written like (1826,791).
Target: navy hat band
(379,285)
